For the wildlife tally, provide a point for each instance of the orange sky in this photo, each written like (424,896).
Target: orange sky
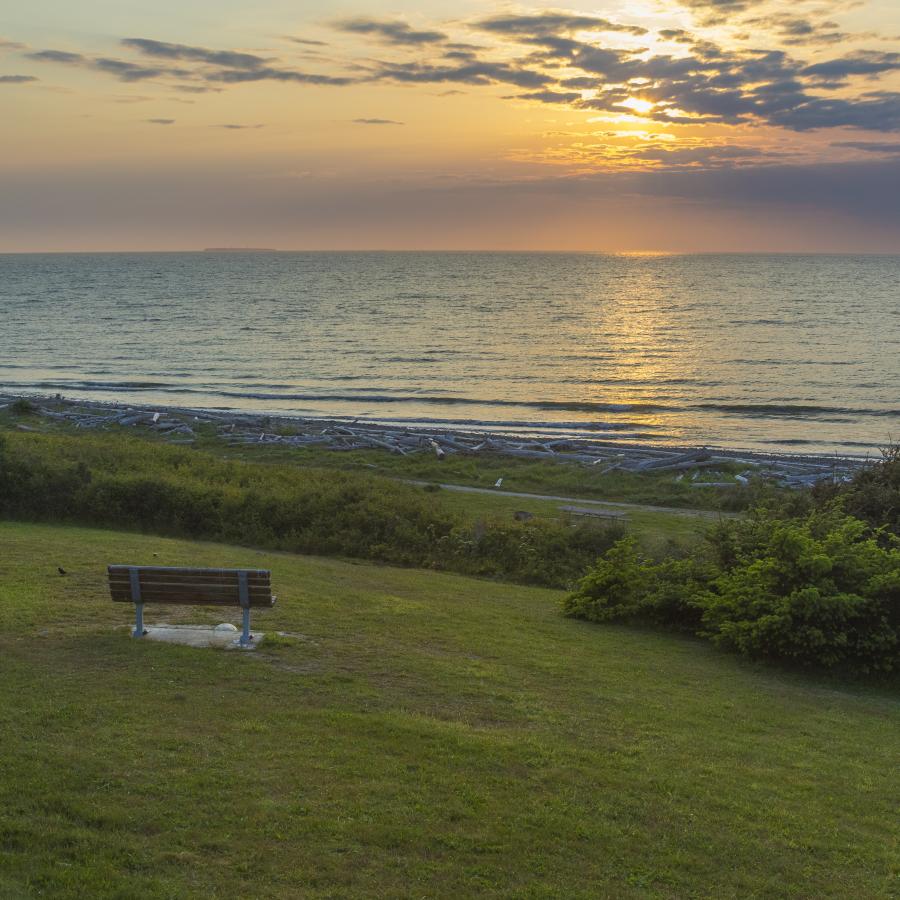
(700,125)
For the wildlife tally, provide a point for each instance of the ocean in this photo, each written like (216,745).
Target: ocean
(760,352)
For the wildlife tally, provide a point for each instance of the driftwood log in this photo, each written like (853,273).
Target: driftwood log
(604,456)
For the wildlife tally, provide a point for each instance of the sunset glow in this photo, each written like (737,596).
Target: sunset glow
(452,127)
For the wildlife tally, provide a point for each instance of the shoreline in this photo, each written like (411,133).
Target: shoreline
(345,433)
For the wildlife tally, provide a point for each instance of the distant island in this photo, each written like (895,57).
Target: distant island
(240,250)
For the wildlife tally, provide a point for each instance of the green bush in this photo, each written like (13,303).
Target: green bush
(121,482)
(819,591)
(822,590)
(873,494)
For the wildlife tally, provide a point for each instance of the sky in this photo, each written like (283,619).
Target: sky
(623,126)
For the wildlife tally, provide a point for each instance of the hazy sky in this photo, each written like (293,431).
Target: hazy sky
(632,125)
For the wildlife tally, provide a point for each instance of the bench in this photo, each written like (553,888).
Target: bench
(246,588)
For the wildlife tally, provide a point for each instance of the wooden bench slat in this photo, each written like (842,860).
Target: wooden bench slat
(192,579)
(174,587)
(164,590)
(186,570)
(195,600)
(174,574)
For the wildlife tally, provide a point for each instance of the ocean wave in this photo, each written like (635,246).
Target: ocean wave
(753,410)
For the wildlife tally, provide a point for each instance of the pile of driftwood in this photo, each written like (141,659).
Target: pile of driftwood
(697,467)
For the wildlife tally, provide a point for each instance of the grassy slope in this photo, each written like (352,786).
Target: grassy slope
(420,735)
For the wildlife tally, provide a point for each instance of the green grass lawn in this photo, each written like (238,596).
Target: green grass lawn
(414,735)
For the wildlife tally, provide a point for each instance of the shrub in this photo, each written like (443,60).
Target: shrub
(615,587)
(821,590)
(873,493)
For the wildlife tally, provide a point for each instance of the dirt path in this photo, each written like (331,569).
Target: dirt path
(580,501)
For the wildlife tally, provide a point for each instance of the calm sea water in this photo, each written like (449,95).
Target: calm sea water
(750,351)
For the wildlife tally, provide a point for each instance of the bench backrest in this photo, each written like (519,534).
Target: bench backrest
(197,587)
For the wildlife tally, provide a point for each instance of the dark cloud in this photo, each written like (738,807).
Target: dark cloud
(233,126)
(121,69)
(716,12)
(267,73)
(58,56)
(161,49)
(160,121)
(389,31)
(376,122)
(869,146)
(797,31)
(467,73)
(10,45)
(233,67)
(127,71)
(678,35)
(17,79)
(551,23)
(305,41)
(196,89)
(550,96)
(866,62)
(693,156)
(877,113)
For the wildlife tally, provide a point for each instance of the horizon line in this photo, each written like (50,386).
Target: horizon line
(253,251)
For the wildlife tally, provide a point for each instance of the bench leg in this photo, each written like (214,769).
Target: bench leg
(246,638)
(138,621)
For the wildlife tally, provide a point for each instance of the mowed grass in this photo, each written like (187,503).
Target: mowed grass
(414,734)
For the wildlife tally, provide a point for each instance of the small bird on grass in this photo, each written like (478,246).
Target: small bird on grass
(498,482)
(61,570)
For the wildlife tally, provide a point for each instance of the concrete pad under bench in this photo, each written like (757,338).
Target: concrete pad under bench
(220,636)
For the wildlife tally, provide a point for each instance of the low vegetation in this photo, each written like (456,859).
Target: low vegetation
(532,476)
(412,733)
(115,481)
(803,582)
(482,470)
(873,495)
